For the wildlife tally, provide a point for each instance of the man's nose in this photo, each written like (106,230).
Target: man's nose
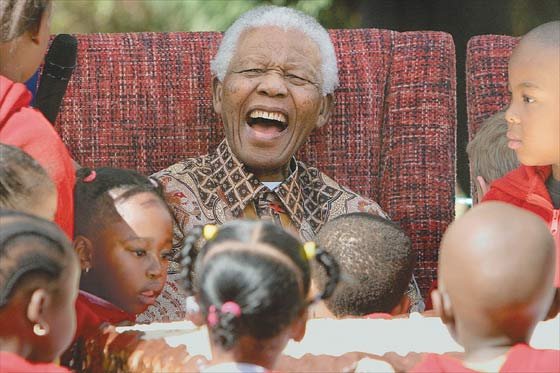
(273,84)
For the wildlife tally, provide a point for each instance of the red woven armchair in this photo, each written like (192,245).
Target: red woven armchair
(487,77)
(143,101)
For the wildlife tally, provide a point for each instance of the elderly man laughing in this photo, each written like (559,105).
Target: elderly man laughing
(275,73)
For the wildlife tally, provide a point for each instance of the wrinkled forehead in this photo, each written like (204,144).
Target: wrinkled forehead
(278,44)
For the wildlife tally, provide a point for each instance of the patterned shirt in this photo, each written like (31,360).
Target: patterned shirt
(217,188)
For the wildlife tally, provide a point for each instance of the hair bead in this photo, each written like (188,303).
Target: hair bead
(209,232)
(310,250)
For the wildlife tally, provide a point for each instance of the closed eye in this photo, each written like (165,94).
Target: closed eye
(297,80)
(252,72)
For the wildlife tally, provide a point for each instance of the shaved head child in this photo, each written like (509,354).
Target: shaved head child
(495,283)
(533,118)
(376,260)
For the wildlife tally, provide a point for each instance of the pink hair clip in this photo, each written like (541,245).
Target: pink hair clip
(212,317)
(231,307)
(89,178)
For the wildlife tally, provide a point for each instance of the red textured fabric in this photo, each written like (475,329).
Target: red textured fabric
(144,101)
(487,76)
(29,130)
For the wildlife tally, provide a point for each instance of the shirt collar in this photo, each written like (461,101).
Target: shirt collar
(240,186)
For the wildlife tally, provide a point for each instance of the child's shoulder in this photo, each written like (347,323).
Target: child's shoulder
(517,184)
(92,311)
(430,363)
(10,362)
(523,358)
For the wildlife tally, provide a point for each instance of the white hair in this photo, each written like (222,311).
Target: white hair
(285,18)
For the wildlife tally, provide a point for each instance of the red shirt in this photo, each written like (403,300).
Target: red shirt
(525,187)
(10,362)
(520,359)
(27,128)
(92,311)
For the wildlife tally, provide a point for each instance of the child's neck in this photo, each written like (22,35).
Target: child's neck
(261,355)
(487,349)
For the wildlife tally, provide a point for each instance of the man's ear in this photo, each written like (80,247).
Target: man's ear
(402,307)
(299,325)
(36,307)
(84,249)
(442,306)
(327,103)
(217,89)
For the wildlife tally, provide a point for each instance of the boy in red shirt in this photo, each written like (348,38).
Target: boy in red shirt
(495,284)
(533,118)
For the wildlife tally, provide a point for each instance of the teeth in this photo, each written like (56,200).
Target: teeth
(268,115)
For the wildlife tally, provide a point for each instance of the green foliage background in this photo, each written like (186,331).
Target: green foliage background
(87,16)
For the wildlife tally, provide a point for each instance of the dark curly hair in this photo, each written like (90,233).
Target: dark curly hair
(377,260)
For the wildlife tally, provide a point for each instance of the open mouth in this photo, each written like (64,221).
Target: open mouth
(267,123)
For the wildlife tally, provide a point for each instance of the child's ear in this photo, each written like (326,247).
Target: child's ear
(217,88)
(84,248)
(402,307)
(484,187)
(37,33)
(299,325)
(38,302)
(442,306)
(193,312)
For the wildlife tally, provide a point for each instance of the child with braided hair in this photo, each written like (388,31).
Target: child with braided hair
(123,237)
(39,276)
(252,286)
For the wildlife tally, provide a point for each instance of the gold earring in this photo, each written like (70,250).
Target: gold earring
(39,330)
